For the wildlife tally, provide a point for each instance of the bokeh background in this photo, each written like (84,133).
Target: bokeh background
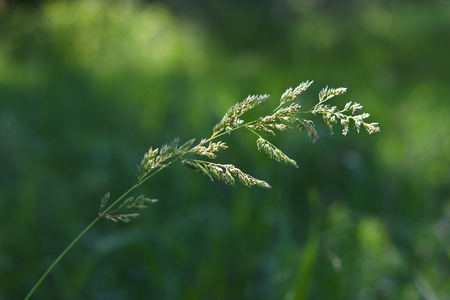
(86,87)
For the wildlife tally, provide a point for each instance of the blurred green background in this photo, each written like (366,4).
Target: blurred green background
(86,87)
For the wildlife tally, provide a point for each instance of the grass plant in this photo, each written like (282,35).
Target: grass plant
(200,156)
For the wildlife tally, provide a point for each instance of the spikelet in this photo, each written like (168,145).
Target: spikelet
(274,153)
(231,119)
(223,172)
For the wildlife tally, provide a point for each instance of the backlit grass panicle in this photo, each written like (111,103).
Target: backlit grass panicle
(284,117)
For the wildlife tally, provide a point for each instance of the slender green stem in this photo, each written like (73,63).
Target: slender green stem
(60,257)
(101,215)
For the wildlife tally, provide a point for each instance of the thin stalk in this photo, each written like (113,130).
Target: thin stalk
(60,257)
(110,207)
(101,215)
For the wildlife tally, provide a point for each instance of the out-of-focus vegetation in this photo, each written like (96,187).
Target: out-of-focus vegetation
(86,87)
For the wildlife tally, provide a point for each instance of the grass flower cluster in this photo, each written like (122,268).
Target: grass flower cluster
(331,114)
(286,116)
